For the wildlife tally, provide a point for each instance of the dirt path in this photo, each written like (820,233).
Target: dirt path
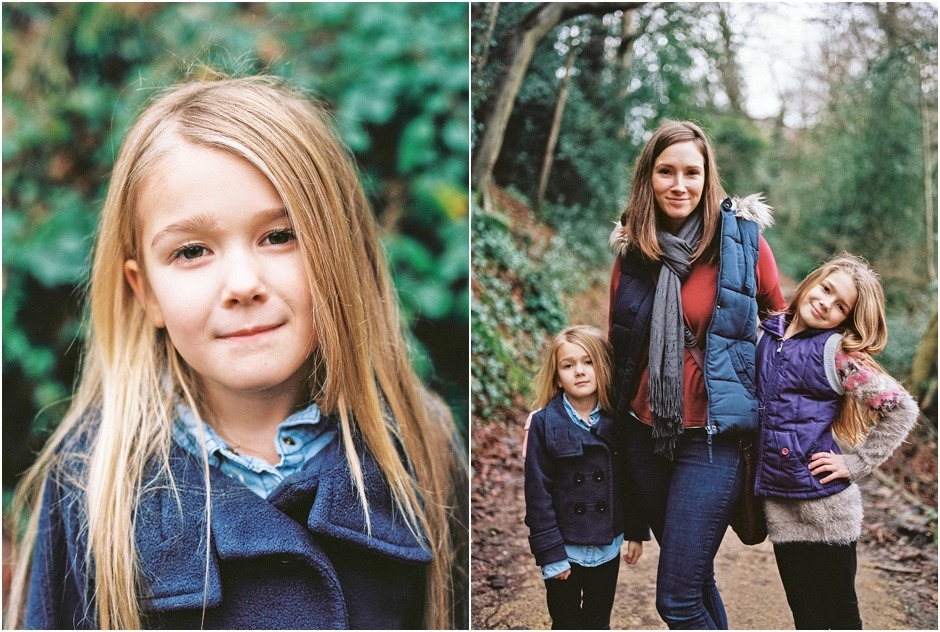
(507,592)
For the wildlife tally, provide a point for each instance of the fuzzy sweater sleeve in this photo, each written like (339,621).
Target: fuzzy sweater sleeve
(896,410)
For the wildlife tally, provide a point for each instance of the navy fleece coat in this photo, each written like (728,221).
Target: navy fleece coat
(576,487)
(301,559)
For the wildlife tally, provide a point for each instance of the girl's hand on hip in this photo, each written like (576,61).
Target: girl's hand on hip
(831,462)
(563,574)
(634,551)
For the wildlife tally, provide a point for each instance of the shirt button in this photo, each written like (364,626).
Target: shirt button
(785,451)
(289,440)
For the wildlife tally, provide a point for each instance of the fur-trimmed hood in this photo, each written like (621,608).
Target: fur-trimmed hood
(753,208)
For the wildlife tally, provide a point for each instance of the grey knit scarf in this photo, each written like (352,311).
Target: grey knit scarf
(668,334)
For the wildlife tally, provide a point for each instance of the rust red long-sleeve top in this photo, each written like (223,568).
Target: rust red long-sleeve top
(698,302)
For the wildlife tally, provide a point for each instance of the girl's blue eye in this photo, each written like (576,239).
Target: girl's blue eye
(279,237)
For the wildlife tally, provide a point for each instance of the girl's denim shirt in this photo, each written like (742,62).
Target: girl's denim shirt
(299,438)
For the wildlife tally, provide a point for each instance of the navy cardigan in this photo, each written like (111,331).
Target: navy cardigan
(301,559)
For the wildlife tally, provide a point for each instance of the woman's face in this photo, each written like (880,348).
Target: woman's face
(678,180)
(220,270)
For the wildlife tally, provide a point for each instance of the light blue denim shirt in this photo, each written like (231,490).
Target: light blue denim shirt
(583,554)
(299,438)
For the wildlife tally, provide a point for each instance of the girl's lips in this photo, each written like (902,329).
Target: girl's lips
(248,332)
(816,312)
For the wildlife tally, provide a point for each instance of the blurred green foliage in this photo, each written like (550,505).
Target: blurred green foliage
(75,76)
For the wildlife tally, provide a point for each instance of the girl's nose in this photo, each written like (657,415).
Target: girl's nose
(243,283)
(678,183)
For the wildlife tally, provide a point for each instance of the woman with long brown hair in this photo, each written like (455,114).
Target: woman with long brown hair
(691,274)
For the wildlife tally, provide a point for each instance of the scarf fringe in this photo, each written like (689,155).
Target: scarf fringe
(665,397)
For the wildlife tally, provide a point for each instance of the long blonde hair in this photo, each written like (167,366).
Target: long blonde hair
(865,331)
(639,218)
(600,352)
(361,374)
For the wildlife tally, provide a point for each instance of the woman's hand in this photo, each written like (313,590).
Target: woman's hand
(831,462)
(634,551)
(563,574)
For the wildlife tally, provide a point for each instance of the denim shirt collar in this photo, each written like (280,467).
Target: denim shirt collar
(593,417)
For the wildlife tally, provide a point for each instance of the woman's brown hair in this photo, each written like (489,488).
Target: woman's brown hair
(639,219)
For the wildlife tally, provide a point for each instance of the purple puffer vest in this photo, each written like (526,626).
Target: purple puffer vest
(797,408)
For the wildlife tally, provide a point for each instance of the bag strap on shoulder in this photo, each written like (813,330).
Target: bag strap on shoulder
(525,438)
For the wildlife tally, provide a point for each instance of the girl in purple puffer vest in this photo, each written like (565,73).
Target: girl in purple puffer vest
(817,382)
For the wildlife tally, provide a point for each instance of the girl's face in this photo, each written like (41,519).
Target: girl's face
(827,304)
(678,180)
(575,372)
(220,269)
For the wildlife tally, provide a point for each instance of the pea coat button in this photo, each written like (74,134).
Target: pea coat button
(598,475)
(785,451)
(579,478)
(580,509)
(601,507)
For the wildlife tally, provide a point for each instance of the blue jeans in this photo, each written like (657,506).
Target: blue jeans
(688,502)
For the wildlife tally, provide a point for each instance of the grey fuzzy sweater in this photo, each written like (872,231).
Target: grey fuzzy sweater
(838,518)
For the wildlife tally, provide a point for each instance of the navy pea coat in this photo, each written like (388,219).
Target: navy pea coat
(301,559)
(576,487)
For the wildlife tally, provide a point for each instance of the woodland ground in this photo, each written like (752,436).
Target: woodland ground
(897,554)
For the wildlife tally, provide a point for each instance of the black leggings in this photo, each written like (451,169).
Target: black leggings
(585,599)
(820,582)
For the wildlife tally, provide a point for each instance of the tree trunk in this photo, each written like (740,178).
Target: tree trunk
(923,376)
(556,125)
(492,9)
(520,47)
(628,35)
(728,64)
(928,181)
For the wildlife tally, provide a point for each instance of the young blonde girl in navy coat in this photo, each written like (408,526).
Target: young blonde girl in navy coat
(818,383)
(248,446)
(578,506)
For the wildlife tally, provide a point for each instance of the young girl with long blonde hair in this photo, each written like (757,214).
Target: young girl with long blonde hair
(817,382)
(579,504)
(248,445)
